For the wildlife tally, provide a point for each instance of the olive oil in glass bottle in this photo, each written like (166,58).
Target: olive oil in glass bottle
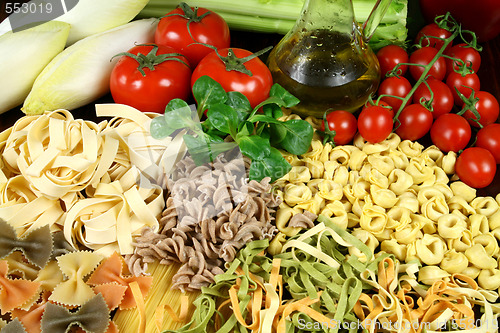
(325,60)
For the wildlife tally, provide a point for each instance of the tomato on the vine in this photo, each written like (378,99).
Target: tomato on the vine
(476,167)
(488,138)
(464,84)
(426,36)
(380,103)
(237,70)
(134,83)
(391,55)
(424,56)
(415,122)
(450,132)
(487,107)
(375,123)
(343,123)
(396,86)
(185,27)
(467,54)
(442,97)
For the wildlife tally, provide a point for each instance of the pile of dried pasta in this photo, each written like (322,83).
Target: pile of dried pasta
(375,237)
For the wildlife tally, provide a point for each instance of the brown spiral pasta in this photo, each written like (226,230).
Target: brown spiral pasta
(211,212)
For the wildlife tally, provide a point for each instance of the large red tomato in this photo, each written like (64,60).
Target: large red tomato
(185,26)
(133,83)
(229,70)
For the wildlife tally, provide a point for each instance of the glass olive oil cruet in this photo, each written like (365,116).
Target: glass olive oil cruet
(325,60)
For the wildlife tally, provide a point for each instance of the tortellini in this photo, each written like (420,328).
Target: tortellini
(400,198)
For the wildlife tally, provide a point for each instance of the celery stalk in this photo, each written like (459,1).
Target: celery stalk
(278,16)
(80,74)
(23,55)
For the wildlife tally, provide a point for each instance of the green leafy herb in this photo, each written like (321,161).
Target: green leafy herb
(259,136)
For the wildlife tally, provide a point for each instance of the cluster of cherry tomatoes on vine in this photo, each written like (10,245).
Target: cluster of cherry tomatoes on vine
(432,90)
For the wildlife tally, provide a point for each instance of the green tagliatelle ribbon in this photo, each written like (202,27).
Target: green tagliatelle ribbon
(314,267)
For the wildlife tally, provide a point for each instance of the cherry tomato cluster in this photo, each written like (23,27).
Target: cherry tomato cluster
(189,42)
(435,91)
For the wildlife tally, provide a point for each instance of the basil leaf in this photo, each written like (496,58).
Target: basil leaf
(159,128)
(298,137)
(272,110)
(204,149)
(175,104)
(240,104)
(264,118)
(254,147)
(224,118)
(246,129)
(274,166)
(288,100)
(278,132)
(208,92)
(179,115)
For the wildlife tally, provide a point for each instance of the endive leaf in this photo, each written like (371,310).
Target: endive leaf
(23,56)
(87,17)
(80,74)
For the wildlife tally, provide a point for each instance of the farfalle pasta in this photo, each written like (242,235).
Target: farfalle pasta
(75,266)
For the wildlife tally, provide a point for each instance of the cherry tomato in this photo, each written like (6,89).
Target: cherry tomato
(344,124)
(426,34)
(391,55)
(415,121)
(380,103)
(396,86)
(442,97)
(468,54)
(423,56)
(476,167)
(488,137)
(255,87)
(375,124)
(463,84)
(488,109)
(450,132)
(152,91)
(185,26)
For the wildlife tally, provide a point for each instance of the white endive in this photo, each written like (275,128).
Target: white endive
(23,56)
(80,74)
(89,17)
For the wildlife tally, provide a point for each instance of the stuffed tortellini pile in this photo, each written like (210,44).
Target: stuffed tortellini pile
(398,197)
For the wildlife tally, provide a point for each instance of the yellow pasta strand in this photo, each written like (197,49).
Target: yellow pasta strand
(160,294)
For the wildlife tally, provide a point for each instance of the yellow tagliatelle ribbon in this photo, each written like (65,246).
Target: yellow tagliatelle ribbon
(57,170)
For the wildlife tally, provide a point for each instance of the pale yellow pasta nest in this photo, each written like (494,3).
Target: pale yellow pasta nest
(401,198)
(96,181)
